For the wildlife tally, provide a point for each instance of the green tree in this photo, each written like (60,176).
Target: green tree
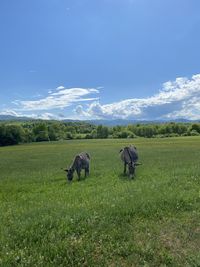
(102,131)
(195,127)
(40,131)
(11,134)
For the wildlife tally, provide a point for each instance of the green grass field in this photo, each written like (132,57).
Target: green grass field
(106,219)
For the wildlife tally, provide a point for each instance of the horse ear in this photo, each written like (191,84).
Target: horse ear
(120,150)
(88,155)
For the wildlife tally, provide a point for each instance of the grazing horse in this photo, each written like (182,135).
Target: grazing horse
(129,156)
(81,161)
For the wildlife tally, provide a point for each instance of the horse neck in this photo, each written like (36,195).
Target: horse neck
(72,168)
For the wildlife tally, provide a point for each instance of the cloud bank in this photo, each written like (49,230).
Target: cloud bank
(176,99)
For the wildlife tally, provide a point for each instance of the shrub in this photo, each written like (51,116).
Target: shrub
(194,133)
(68,136)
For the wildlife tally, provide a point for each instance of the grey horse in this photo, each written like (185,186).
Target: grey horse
(129,156)
(80,162)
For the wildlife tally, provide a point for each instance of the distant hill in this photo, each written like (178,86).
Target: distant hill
(98,122)
(13,118)
(126,122)
(112,122)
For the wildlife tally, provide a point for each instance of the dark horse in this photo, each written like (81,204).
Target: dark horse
(81,161)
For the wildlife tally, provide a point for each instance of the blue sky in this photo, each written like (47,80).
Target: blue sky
(86,59)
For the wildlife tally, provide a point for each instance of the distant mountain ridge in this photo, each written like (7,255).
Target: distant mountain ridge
(126,122)
(14,118)
(113,122)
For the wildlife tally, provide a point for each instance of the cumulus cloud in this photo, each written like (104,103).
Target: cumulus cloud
(80,111)
(176,99)
(59,98)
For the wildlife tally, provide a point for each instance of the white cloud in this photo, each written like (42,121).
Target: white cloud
(10,112)
(44,116)
(179,98)
(176,99)
(61,98)
(81,113)
(60,87)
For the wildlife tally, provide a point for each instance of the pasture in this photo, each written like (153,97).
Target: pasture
(106,219)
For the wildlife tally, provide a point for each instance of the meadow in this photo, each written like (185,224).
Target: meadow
(106,219)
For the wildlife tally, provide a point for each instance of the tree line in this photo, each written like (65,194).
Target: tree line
(12,133)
